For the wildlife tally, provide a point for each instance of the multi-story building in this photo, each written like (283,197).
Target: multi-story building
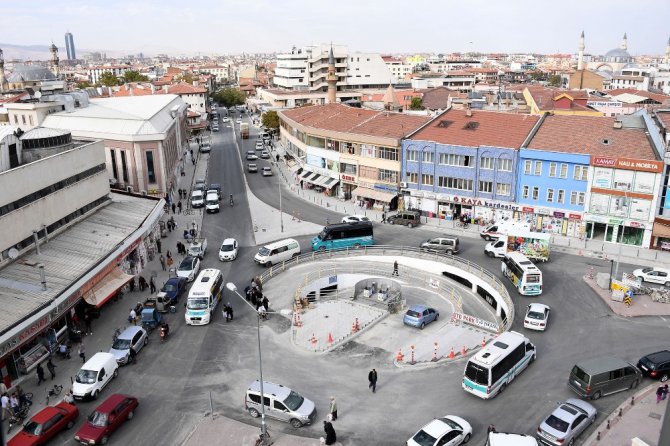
(350,152)
(464,163)
(221,72)
(399,68)
(462,81)
(69,46)
(94,73)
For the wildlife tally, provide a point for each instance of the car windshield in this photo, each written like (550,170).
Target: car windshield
(186,265)
(293,401)
(264,251)
(32,428)
(98,419)
(557,423)
(322,235)
(413,313)
(198,303)
(121,344)
(423,439)
(477,374)
(86,376)
(535,315)
(227,247)
(169,287)
(647,270)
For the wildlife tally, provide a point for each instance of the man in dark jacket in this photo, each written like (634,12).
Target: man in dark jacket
(331,438)
(372,378)
(40,374)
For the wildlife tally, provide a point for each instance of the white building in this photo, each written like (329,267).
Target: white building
(221,72)
(399,68)
(638,78)
(94,73)
(462,81)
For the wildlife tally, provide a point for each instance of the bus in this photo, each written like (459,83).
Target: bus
(495,366)
(203,297)
(344,235)
(526,277)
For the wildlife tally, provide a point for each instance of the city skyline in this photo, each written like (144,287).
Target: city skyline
(233,26)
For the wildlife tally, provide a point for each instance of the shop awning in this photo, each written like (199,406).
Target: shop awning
(330,182)
(314,179)
(374,194)
(305,173)
(107,287)
(294,168)
(661,230)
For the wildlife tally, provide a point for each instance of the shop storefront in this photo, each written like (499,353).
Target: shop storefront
(450,207)
(553,221)
(617,230)
(660,234)
(375,196)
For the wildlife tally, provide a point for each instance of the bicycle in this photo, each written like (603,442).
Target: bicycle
(263,439)
(54,392)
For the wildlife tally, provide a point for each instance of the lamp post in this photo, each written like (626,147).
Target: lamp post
(627,205)
(231,286)
(281,212)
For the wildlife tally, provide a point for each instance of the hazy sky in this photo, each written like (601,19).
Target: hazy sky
(390,26)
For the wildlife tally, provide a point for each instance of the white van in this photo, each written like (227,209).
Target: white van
(94,376)
(212,202)
(505,439)
(277,252)
(503,227)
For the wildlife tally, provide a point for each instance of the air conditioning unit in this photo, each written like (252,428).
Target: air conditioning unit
(403,184)
(129,189)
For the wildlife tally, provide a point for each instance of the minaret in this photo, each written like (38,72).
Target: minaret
(3,79)
(331,78)
(580,57)
(624,43)
(666,59)
(54,59)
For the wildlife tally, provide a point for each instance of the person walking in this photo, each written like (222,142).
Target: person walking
(395,268)
(659,394)
(665,391)
(133,355)
(132,317)
(152,285)
(331,438)
(5,406)
(40,374)
(333,409)
(228,310)
(158,245)
(14,403)
(162,260)
(51,368)
(490,429)
(179,206)
(266,303)
(143,284)
(87,323)
(174,208)
(372,378)
(82,352)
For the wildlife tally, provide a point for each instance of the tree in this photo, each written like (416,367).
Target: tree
(187,77)
(108,79)
(229,97)
(416,104)
(134,76)
(537,76)
(555,80)
(270,120)
(83,85)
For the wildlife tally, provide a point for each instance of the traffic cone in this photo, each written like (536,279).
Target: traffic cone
(330,338)
(452,355)
(399,357)
(463,350)
(313,340)
(484,341)
(358,327)
(353,327)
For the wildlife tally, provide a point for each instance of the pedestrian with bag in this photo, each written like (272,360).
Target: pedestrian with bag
(333,409)
(372,379)
(51,368)
(40,374)
(132,317)
(331,438)
(659,394)
(82,352)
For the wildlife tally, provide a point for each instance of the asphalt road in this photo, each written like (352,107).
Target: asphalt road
(175,381)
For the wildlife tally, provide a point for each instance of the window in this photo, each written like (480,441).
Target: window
(412,155)
(455,183)
(524,192)
(23,118)
(427,157)
(450,159)
(151,173)
(505,165)
(550,195)
(486,163)
(30,118)
(16,119)
(536,193)
(427,180)
(503,189)
(412,177)
(390,176)
(486,186)
(564,170)
(577,198)
(124,166)
(387,153)
(581,173)
(561,196)
(538,168)
(112,154)
(552,169)
(526,167)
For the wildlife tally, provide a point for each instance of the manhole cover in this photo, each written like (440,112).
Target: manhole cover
(326,316)
(655,415)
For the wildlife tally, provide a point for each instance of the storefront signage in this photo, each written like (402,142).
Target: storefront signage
(635,224)
(527,209)
(604,161)
(348,178)
(615,221)
(492,326)
(543,211)
(574,216)
(604,104)
(386,188)
(628,163)
(559,214)
(487,203)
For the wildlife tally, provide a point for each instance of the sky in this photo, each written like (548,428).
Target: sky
(211,27)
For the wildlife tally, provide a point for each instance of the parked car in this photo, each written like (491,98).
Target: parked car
(205,148)
(251,155)
(174,288)
(45,424)
(354,218)
(449,430)
(566,422)
(407,218)
(215,128)
(259,145)
(284,404)
(654,275)
(94,376)
(188,268)
(265,154)
(132,337)
(215,187)
(228,250)
(252,167)
(266,171)
(656,365)
(447,245)
(198,248)
(197,199)
(420,316)
(537,317)
(225,119)
(200,184)
(106,419)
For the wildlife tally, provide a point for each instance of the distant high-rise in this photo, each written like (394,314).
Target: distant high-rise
(69,46)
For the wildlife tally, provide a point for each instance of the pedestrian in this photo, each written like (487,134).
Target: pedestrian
(490,429)
(51,368)
(143,284)
(262,313)
(3,387)
(5,406)
(14,403)
(659,394)
(179,206)
(384,217)
(174,208)
(69,397)
(40,374)
(133,354)
(23,399)
(169,261)
(301,184)
(82,352)
(192,151)
(333,409)
(266,303)
(152,285)
(331,438)
(132,317)
(158,245)
(87,323)
(395,268)
(372,378)
(665,391)
(162,260)
(131,284)
(228,310)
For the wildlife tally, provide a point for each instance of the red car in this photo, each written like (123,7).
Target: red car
(45,424)
(106,419)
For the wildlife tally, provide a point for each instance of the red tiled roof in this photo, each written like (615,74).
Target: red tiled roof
(185,88)
(437,98)
(664,116)
(482,128)
(545,98)
(342,118)
(585,135)
(138,90)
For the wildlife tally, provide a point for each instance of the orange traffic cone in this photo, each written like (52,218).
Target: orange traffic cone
(484,341)
(330,338)
(313,340)
(452,355)
(463,350)
(399,357)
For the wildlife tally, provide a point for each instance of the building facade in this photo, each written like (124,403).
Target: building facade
(69,46)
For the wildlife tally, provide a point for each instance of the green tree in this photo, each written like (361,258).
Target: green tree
(270,120)
(187,77)
(108,79)
(537,76)
(416,104)
(134,76)
(230,97)
(83,85)
(555,80)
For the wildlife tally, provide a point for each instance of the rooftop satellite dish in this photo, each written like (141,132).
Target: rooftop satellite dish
(13,253)
(38,94)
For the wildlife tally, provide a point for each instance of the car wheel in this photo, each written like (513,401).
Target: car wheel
(116,373)
(296,423)
(502,388)
(254,413)
(131,414)
(95,395)
(410,225)
(450,252)
(634,384)
(437,315)
(322,248)
(487,238)
(490,254)
(268,264)
(572,442)
(423,325)
(146,340)
(69,424)
(391,222)
(466,439)
(667,284)
(664,377)
(596,395)
(104,440)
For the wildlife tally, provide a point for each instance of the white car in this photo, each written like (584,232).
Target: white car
(225,119)
(197,199)
(654,275)
(239,120)
(537,317)
(189,268)
(228,250)
(265,155)
(259,145)
(251,155)
(266,171)
(354,218)
(449,430)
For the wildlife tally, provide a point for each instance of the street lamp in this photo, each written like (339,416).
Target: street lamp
(616,269)
(281,212)
(231,286)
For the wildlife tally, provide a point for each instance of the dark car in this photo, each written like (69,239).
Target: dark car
(216,187)
(410,219)
(45,424)
(107,418)
(174,288)
(656,365)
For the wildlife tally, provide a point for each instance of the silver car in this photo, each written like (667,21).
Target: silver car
(135,337)
(566,422)
(447,245)
(283,404)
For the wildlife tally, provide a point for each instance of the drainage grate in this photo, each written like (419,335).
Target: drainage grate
(656,416)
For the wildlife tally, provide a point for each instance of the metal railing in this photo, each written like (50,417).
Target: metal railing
(398,251)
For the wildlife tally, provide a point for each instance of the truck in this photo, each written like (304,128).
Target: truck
(534,245)
(503,227)
(198,248)
(244,130)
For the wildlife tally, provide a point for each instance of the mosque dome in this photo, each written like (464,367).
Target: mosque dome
(23,73)
(618,53)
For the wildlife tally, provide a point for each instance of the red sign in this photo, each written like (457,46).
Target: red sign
(348,178)
(634,224)
(628,164)
(603,161)
(527,209)
(574,217)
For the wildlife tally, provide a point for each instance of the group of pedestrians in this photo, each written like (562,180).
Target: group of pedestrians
(51,367)
(12,402)
(661,393)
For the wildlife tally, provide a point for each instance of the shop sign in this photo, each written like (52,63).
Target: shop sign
(128,250)
(559,214)
(527,209)
(635,224)
(543,211)
(615,221)
(430,196)
(596,218)
(574,216)
(628,163)
(386,188)
(348,178)
(417,193)
(604,161)
(486,203)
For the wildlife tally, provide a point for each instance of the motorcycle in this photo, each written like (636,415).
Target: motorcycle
(18,416)
(64,351)
(164,333)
